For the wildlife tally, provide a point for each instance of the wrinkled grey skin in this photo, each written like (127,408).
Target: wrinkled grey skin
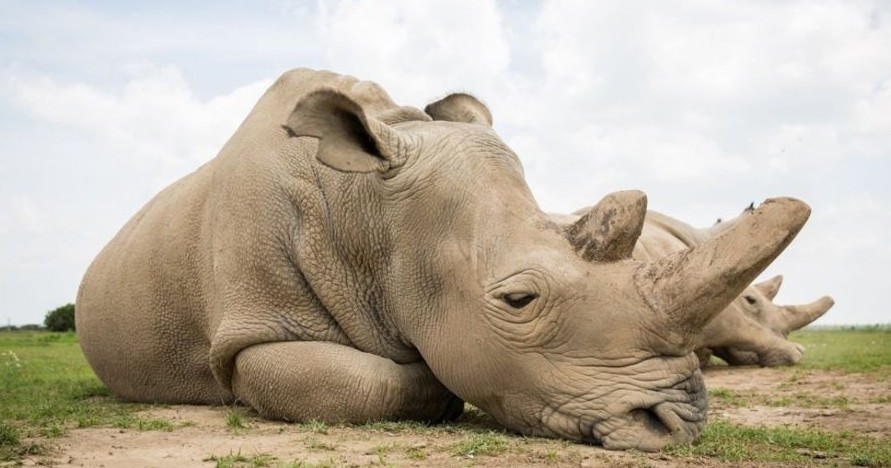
(346,259)
(752,330)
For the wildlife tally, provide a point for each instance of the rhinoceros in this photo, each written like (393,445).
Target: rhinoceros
(751,330)
(750,345)
(347,259)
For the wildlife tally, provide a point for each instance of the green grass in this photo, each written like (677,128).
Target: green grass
(234,420)
(47,388)
(735,443)
(237,460)
(846,349)
(415,453)
(488,443)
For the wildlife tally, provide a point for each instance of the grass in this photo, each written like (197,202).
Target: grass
(415,453)
(318,427)
(846,349)
(735,443)
(487,444)
(47,389)
(237,460)
(234,420)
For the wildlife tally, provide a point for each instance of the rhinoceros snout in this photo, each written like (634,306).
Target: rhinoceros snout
(678,419)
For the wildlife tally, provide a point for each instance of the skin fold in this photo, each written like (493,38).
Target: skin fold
(344,258)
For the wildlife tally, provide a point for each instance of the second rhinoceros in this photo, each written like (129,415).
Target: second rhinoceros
(751,330)
(750,345)
(347,259)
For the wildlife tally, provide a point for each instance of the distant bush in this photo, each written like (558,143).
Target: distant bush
(60,319)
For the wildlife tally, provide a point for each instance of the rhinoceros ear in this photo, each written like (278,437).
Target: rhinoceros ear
(771,287)
(609,230)
(349,139)
(460,107)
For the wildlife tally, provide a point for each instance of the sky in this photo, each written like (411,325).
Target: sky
(705,106)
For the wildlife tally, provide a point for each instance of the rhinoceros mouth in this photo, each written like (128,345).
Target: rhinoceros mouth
(647,405)
(678,418)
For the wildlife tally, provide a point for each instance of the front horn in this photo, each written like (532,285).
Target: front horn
(690,287)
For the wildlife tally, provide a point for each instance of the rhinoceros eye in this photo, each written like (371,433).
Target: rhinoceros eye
(750,299)
(518,300)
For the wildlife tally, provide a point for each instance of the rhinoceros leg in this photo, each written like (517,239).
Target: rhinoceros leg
(302,381)
(771,352)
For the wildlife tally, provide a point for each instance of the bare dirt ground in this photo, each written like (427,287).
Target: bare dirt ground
(751,396)
(828,401)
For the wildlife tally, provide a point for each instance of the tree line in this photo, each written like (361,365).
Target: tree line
(60,319)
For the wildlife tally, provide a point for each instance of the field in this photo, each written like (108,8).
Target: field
(832,410)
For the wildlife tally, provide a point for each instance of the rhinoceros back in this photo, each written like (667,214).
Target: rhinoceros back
(142,307)
(154,300)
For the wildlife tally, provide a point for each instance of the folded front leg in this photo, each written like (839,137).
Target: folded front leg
(301,381)
(766,352)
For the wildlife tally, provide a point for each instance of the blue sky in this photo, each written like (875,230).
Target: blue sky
(706,106)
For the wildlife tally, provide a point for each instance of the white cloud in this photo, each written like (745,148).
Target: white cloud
(156,123)
(406,46)
(27,215)
(873,110)
(89,160)
(842,251)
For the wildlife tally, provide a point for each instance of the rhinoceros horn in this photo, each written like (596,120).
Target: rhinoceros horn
(797,316)
(692,286)
(609,230)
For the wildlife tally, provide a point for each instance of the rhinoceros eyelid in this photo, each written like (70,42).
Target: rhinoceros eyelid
(519,300)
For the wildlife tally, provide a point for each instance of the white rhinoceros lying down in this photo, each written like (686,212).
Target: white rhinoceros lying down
(752,345)
(751,330)
(346,259)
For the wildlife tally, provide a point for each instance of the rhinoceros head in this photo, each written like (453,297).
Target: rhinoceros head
(760,327)
(553,331)
(757,301)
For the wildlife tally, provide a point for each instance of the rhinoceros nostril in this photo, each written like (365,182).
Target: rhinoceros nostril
(659,419)
(649,419)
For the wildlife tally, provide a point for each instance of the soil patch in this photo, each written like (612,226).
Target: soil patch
(205,436)
(828,401)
